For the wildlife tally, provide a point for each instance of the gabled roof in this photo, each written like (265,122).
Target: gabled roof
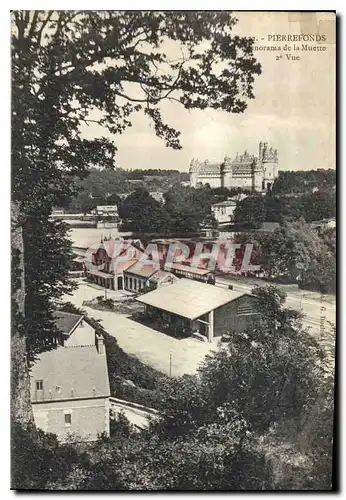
(119,266)
(188,298)
(66,322)
(161,275)
(142,270)
(70,373)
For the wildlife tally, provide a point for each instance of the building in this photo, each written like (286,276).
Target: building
(192,273)
(192,307)
(107,210)
(161,278)
(70,385)
(245,171)
(111,260)
(224,210)
(136,276)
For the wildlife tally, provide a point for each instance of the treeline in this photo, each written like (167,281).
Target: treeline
(256,209)
(103,187)
(258,415)
(151,172)
(303,181)
(297,253)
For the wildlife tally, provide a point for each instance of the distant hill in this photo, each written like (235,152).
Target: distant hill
(108,186)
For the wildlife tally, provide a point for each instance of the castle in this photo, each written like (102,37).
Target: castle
(245,171)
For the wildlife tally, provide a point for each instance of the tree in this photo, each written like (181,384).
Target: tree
(250,211)
(189,209)
(304,181)
(60,81)
(142,212)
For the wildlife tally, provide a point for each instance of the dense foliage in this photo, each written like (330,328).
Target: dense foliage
(303,181)
(254,210)
(184,210)
(103,187)
(299,253)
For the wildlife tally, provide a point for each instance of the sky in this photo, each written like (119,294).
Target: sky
(293,109)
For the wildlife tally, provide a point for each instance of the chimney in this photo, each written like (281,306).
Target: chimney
(100,345)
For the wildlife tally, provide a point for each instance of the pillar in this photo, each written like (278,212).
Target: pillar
(211,327)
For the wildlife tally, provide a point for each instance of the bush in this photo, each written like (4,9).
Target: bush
(39,461)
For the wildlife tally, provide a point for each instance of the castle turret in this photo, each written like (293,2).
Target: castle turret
(257,175)
(194,170)
(270,164)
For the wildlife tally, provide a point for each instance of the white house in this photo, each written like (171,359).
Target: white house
(107,210)
(70,385)
(224,210)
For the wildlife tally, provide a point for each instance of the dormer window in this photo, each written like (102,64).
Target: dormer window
(39,385)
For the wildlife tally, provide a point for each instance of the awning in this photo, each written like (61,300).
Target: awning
(101,274)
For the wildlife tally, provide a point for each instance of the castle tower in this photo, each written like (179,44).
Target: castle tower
(194,170)
(257,176)
(270,163)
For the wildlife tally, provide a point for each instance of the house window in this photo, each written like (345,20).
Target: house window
(68,418)
(130,283)
(39,385)
(126,282)
(135,284)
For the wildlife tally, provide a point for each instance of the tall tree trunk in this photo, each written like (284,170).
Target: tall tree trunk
(21,409)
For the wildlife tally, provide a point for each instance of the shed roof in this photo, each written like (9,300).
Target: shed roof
(71,372)
(188,298)
(193,270)
(226,203)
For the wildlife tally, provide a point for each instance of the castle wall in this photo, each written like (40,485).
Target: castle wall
(213,180)
(241,172)
(270,172)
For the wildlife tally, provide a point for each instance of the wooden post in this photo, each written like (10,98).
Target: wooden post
(211,327)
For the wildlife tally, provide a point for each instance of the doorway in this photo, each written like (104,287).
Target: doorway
(120,282)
